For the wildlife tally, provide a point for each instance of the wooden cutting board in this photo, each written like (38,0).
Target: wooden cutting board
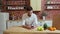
(56,21)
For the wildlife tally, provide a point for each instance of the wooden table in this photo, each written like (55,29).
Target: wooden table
(20,30)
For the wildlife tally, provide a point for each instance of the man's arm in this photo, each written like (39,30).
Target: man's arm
(35,22)
(28,27)
(23,20)
(24,24)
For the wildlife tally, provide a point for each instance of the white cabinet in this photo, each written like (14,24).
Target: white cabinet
(3,18)
(48,22)
(36,5)
(12,23)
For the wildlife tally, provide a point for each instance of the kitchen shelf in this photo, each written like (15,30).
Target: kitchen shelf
(15,5)
(15,10)
(52,9)
(52,4)
(13,0)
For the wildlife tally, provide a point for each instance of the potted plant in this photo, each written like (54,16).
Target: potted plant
(44,14)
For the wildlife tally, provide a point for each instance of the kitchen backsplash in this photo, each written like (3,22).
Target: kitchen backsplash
(18,15)
(52,12)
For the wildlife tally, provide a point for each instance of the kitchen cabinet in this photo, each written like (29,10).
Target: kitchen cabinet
(11,23)
(36,5)
(3,18)
(48,22)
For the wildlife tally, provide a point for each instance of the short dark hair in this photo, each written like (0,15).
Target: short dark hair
(28,8)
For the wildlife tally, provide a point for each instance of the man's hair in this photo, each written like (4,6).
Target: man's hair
(28,8)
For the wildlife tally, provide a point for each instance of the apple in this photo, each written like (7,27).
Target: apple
(40,28)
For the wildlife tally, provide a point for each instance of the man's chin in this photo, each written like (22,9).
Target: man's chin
(29,15)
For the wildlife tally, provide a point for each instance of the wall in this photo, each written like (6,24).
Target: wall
(51,13)
(18,14)
(37,8)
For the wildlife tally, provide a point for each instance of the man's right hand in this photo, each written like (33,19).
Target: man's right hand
(28,27)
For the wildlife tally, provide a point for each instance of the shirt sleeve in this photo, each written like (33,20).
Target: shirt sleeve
(35,22)
(23,20)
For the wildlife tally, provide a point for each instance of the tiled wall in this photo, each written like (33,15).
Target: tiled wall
(51,13)
(13,3)
(16,14)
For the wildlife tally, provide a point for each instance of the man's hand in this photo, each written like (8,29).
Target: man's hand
(28,27)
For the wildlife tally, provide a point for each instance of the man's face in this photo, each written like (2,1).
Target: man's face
(29,13)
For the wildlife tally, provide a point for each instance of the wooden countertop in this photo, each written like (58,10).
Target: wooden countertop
(20,30)
(21,20)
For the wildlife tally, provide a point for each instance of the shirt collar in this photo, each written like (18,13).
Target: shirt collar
(31,14)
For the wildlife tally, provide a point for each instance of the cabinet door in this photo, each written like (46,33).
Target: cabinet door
(49,23)
(19,23)
(16,23)
(3,18)
(36,5)
(9,24)
(13,23)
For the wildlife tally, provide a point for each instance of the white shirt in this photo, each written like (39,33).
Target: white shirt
(29,20)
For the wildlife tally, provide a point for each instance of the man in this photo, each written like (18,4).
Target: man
(29,19)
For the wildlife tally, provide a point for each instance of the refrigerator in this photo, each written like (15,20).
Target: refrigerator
(3,19)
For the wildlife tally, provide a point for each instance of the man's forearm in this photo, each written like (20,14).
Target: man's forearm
(28,27)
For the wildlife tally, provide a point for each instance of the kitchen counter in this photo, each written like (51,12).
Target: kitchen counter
(11,23)
(15,20)
(20,30)
(21,20)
